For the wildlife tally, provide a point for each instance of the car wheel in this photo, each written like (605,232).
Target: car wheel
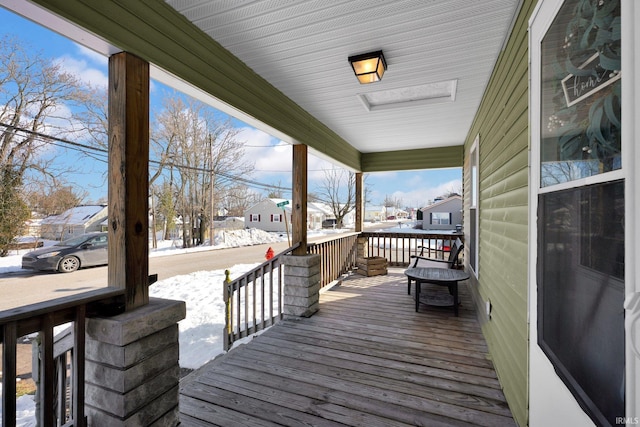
(68,264)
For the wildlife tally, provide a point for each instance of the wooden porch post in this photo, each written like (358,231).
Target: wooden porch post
(299,208)
(359,202)
(129,177)
(362,242)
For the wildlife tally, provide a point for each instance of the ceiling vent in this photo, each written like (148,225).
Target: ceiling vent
(413,96)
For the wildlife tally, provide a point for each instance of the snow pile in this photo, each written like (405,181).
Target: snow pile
(246,237)
(201,331)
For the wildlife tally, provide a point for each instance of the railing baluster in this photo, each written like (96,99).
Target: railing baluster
(262,298)
(77,363)
(271,287)
(47,384)
(226,333)
(397,250)
(9,345)
(60,382)
(239,307)
(280,279)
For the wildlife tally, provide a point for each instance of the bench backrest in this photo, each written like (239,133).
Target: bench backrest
(454,252)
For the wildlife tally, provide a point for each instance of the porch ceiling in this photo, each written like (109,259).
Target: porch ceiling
(300,49)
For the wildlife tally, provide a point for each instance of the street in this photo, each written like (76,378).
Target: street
(29,287)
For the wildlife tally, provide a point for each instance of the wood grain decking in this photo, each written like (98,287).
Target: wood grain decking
(365,359)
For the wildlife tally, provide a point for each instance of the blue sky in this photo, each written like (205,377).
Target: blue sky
(271,156)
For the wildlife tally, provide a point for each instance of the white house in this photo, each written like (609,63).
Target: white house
(442,215)
(397,213)
(316,214)
(266,215)
(73,222)
(375,213)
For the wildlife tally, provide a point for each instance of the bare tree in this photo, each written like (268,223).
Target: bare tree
(36,96)
(276,191)
(53,199)
(338,190)
(38,100)
(392,202)
(199,149)
(237,199)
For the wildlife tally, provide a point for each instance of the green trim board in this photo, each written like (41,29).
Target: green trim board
(425,158)
(158,34)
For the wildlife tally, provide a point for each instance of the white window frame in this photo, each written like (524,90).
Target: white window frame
(254,218)
(474,207)
(441,218)
(550,401)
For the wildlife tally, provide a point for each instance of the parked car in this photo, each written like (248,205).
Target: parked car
(69,255)
(329,223)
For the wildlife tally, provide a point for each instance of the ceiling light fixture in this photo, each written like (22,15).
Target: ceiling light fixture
(368,67)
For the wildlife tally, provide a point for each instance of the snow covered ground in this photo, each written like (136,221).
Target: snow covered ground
(201,331)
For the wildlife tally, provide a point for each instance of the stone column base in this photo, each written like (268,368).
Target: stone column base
(301,285)
(132,371)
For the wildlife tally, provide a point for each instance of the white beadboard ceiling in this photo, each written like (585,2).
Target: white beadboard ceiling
(301,47)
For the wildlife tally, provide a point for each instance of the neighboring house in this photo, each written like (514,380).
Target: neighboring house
(266,215)
(375,213)
(348,220)
(32,227)
(316,214)
(396,213)
(74,222)
(442,215)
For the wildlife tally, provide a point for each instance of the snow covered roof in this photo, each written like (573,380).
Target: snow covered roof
(76,216)
(441,202)
(319,208)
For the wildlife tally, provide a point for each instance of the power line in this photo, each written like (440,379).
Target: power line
(82,147)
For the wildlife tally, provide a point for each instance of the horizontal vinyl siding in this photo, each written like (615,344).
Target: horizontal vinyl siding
(503,125)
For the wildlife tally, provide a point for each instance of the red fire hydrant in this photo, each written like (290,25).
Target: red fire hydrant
(269,253)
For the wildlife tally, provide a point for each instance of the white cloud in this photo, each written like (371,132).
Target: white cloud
(270,156)
(419,197)
(88,66)
(92,55)
(273,159)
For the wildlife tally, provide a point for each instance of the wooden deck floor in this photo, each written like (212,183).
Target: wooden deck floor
(365,359)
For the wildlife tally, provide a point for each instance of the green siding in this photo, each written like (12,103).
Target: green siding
(152,30)
(427,158)
(503,125)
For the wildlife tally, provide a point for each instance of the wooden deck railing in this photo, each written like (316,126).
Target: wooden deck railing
(60,367)
(337,256)
(253,301)
(397,248)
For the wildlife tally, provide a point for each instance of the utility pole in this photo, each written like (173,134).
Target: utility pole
(211,181)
